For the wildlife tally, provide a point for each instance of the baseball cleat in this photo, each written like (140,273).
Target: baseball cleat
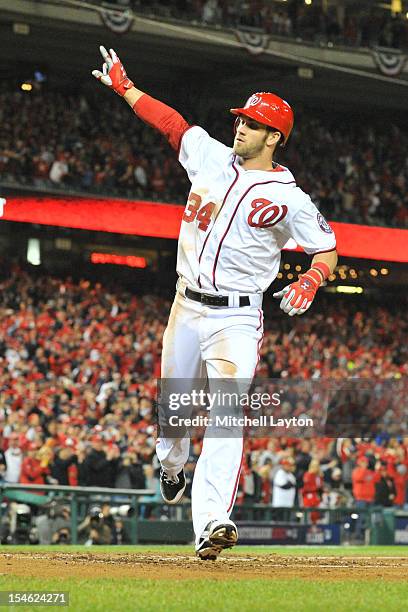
(216,537)
(172,487)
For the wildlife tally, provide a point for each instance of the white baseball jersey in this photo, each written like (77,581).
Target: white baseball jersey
(237,221)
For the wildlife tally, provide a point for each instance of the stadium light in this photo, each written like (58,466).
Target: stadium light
(34,252)
(349,289)
(120,260)
(396,6)
(21,28)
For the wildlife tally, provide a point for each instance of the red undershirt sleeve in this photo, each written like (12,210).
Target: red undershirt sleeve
(162,117)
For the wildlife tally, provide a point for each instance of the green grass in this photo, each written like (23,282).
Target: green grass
(103,594)
(100,595)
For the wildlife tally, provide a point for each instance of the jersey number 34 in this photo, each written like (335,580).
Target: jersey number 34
(193,211)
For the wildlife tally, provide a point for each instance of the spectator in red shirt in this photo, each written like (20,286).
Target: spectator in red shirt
(399,473)
(363,484)
(312,488)
(32,472)
(363,480)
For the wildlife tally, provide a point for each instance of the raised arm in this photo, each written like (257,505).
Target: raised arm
(156,114)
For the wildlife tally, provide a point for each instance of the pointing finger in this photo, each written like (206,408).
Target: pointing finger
(114,57)
(106,57)
(104,53)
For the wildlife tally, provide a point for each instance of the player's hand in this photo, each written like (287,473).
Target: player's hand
(297,297)
(113,74)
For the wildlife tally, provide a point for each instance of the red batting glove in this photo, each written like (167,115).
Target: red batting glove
(113,74)
(298,296)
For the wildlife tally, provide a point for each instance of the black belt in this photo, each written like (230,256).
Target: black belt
(214,300)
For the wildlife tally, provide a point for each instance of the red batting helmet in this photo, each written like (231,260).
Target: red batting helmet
(270,110)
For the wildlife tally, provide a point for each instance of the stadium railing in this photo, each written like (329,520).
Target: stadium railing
(149,518)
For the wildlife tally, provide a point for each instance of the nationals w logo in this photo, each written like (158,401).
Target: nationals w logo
(266,214)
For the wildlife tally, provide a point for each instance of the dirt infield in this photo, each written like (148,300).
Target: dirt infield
(154,565)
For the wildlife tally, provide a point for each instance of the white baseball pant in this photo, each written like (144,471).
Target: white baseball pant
(219,343)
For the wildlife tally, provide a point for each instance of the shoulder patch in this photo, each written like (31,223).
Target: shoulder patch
(324,226)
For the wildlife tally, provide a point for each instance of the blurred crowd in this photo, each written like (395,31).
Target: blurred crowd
(326,473)
(353,172)
(77,376)
(68,144)
(348,25)
(78,369)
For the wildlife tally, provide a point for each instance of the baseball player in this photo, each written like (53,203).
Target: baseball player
(241,211)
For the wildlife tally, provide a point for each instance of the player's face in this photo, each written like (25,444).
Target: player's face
(251,138)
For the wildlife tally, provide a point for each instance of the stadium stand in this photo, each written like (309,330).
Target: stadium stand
(78,369)
(75,145)
(352,25)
